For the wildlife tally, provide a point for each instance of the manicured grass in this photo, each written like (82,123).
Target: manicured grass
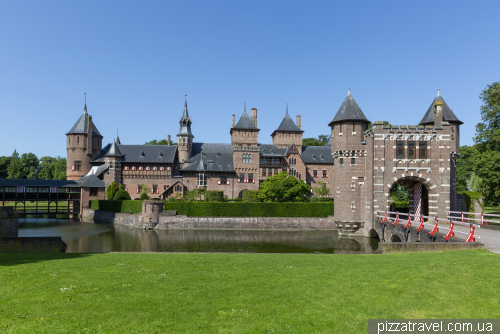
(494,210)
(240,293)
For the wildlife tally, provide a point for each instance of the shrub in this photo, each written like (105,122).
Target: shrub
(121,195)
(143,196)
(314,199)
(223,209)
(117,206)
(250,196)
(111,191)
(214,196)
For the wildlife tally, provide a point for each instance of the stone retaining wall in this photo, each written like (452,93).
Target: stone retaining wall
(168,221)
(33,244)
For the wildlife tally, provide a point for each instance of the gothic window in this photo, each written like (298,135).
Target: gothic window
(202,180)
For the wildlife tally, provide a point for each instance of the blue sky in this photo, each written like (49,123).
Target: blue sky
(137,59)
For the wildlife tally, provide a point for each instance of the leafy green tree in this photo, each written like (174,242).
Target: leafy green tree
(121,195)
(145,190)
(46,168)
(59,172)
(283,188)
(487,155)
(159,142)
(465,167)
(4,165)
(111,190)
(399,193)
(321,190)
(29,166)
(321,141)
(14,171)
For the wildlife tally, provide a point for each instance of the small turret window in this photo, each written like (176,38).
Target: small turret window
(78,139)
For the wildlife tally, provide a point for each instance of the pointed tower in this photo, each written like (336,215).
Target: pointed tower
(440,112)
(349,152)
(244,140)
(288,133)
(113,159)
(185,137)
(83,144)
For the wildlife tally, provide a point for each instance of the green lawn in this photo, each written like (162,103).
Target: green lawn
(240,293)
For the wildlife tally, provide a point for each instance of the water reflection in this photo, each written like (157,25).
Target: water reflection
(97,238)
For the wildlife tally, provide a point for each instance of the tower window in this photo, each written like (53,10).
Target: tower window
(78,139)
(242,177)
(341,161)
(411,149)
(423,149)
(250,177)
(78,165)
(400,149)
(353,161)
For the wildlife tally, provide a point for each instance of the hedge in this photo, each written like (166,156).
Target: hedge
(116,206)
(215,209)
(214,196)
(250,196)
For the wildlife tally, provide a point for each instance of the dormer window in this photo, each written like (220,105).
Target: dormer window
(143,154)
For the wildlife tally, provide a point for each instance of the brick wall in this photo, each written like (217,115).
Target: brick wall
(287,138)
(86,197)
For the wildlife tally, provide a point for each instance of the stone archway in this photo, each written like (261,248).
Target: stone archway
(240,195)
(419,190)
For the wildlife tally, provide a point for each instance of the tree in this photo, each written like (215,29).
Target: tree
(321,189)
(121,195)
(145,190)
(29,166)
(46,168)
(321,141)
(59,169)
(283,188)
(4,165)
(487,149)
(159,142)
(111,190)
(465,167)
(14,170)
(399,193)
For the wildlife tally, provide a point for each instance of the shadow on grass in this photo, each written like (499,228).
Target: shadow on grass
(17,258)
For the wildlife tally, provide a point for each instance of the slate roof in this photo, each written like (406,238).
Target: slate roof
(448,114)
(210,157)
(97,170)
(349,111)
(91,181)
(113,151)
(82,124)
(329,141)
(245,122)
(287,124)
(270,150)
(317,155)
(143,153)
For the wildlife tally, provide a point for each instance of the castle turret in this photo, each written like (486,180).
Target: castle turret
(349,153)
(83,144)
(113,159)
(185,137)
(288,133)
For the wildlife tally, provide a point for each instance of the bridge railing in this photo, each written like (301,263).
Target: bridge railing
(464,217)
(419,219)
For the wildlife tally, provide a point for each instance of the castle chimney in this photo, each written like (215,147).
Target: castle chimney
(298,122)
(168,140)
(233,121)
(253,117)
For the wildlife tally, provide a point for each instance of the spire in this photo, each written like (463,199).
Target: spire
(185,121)
(287,108)
(85,107)
(349,91)
(448,114)
(185,114)
(114,151)
(117,139)
(245,107)
(439,94)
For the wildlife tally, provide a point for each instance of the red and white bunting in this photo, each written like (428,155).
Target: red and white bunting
(140,167)
(133,167)
(450,232)
(421,226)
(435,229)
(53,190)
(73,167)
(396,220)
(21,189)
(471,238)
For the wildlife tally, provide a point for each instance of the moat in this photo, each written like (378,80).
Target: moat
(100,238)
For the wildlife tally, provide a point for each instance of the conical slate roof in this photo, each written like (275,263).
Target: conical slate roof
(448,115)
(287,124)
(349,111)
(82,124)
(245,122)
(114,151)
(329,141)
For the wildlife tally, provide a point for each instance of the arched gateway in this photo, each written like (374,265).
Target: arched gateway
(369,161)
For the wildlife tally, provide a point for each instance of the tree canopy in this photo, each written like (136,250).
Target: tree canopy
(321,141)
(283,188)
(159,142)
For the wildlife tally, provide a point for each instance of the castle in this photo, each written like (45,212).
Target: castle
(359,163)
